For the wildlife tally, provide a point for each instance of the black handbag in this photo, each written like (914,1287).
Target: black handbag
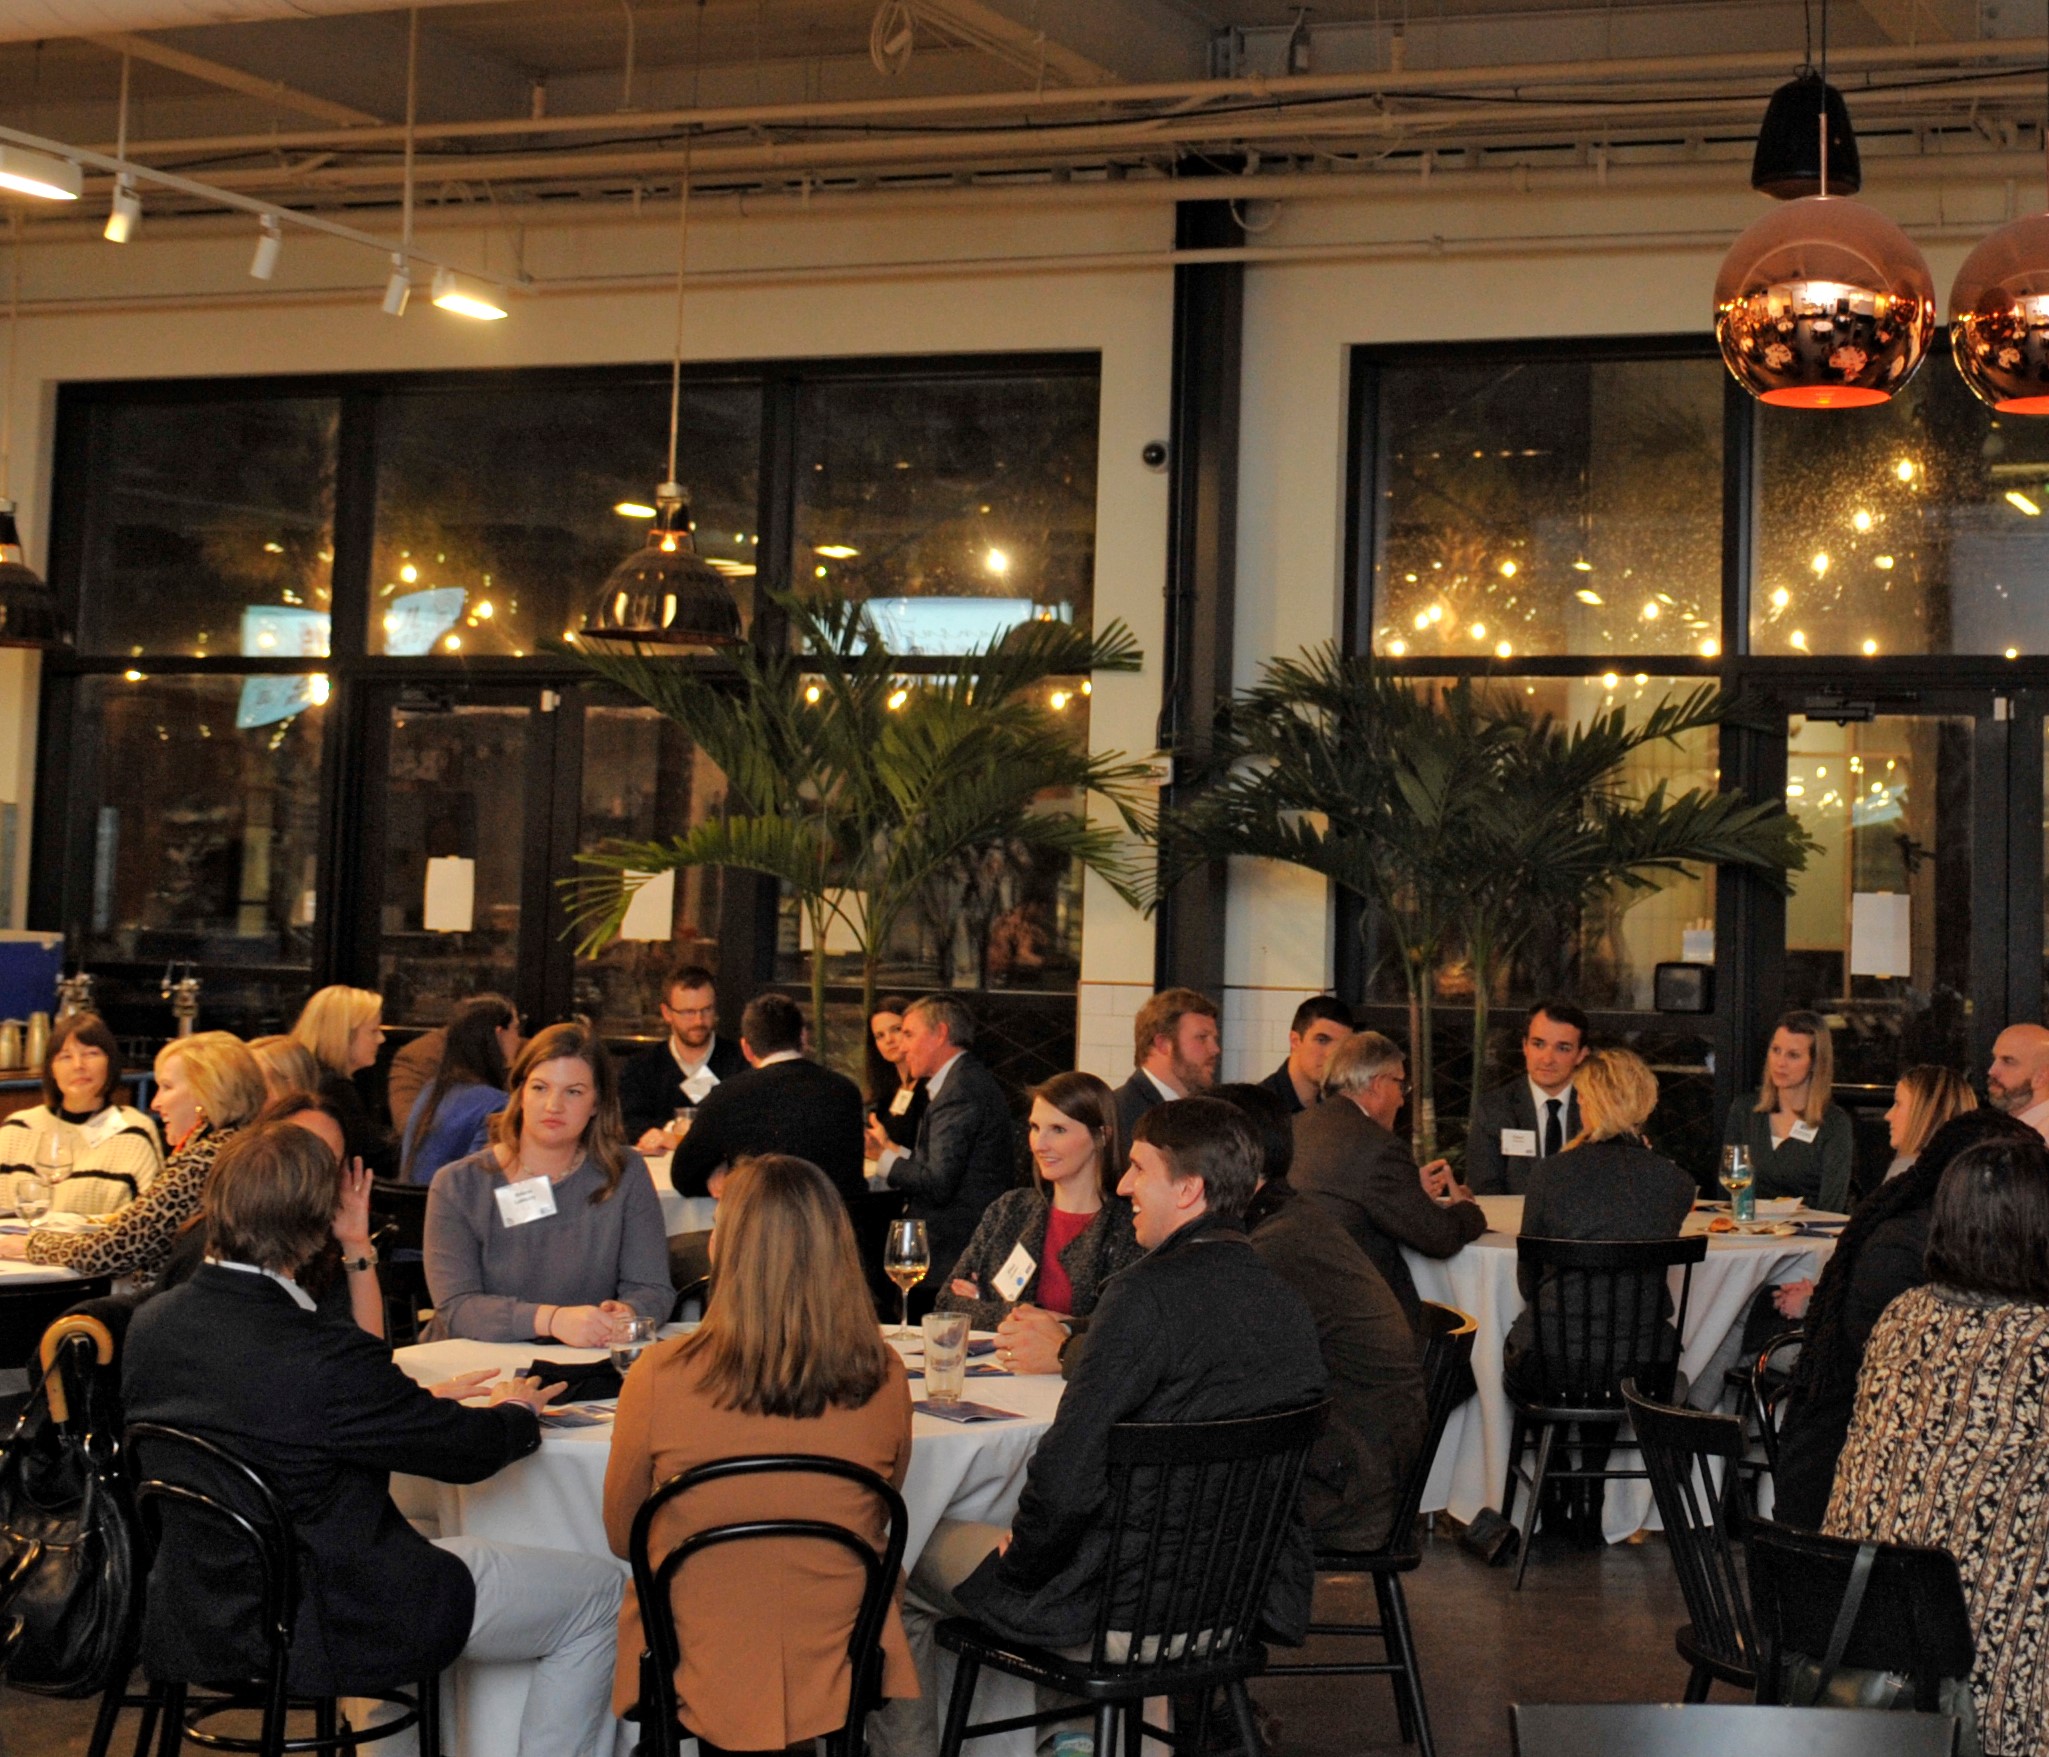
(67,1527)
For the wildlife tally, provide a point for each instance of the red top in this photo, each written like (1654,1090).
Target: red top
(1056,1292)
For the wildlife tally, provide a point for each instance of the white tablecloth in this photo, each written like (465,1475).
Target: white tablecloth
(1472,1461)
(679,1213)
(555,1499)
(13,1274)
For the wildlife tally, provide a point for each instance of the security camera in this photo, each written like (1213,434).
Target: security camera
(1154,456)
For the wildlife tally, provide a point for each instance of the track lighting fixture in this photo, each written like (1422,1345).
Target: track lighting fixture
(398,290)
(126,214)
(270,246)
(466,297)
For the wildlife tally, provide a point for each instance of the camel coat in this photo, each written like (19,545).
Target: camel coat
(763,1625)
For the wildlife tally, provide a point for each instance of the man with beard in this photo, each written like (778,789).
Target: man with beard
(2018,1080)
(1175,1051)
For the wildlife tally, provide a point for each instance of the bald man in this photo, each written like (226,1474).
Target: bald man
(2018,1080)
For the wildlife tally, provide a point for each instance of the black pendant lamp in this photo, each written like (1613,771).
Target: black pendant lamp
(30,615)
(1787,163)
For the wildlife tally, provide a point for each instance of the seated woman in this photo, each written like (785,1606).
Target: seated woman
(554,1231)
(208,1086)
(1073,1229)
(344,1028)
(1800,1141)
(287,1064)
(1923,1100)
(1879,1257)
(242,1356)
(451,1117)
(896,1096)
(105,1153)
(788,1359)
(1949,1443)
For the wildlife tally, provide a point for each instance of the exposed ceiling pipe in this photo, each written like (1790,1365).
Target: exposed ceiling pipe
(23,21)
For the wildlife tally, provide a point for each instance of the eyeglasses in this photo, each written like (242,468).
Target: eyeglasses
(1401,1081)
(693,1012)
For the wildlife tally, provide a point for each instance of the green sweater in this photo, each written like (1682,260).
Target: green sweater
(1816,1170)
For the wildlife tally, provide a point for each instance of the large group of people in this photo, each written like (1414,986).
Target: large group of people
(1175,1248)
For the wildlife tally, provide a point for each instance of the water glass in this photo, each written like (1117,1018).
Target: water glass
(1739,1178)
(31,1198)
(630,1338)
(946,1355)
(53,1159)
(906,1260)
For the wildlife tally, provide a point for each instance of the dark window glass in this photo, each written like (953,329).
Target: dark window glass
(1537,507)
(954,507)
(501,509)
(1915,526)
(209,528)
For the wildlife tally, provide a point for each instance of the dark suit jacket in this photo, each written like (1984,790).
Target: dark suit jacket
(1282,1085)
(902,1130)
(787,1107)
(1134,1098)
(1199,1330)
(1489,1171)
(319,1408)
(651,1085)
(1368,1179)
(965,1157)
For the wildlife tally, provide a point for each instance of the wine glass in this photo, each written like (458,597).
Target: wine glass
(906,1260)
(53,1159)
(31,1197)
(1738,1175)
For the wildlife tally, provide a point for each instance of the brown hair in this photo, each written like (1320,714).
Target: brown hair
(1821,1069)
(604,1136)
(1210,1139)
(1089,1101)
(1989,1230)
(1934,1096)
(790,1327)
(1161,1017)
(88,1028)
(222,1073)
(1617,1093)
(287,1064)
(270,1198)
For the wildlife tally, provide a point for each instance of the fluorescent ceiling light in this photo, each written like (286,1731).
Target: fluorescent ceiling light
(40,174)
(465,297)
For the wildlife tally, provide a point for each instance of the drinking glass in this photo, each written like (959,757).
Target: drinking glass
(906,1260)
(31,1198)
(53,1159)
(946,1355)
(630,1337)
(1738,1178)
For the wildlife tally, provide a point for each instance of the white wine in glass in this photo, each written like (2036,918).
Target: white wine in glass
(906,1260)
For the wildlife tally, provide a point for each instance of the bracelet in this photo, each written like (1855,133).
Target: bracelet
(360,1265)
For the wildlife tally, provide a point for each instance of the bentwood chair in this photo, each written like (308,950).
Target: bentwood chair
(1447,1382)
(1196,1512)
(194,1497)
(1599,1318)
(1683,1449)
(1664,1729)
(398,1214)
(662,1729)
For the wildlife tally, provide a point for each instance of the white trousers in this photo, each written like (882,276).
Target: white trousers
(559,1610)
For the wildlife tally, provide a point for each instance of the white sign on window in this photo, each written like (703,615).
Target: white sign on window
(652,913)
(451,901)
(1881,933)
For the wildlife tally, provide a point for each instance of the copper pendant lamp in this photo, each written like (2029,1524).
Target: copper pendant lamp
(1824,303)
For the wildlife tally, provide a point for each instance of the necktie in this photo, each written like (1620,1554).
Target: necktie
(1554,1132)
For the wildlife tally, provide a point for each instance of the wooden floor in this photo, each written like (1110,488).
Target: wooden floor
(1587,1627)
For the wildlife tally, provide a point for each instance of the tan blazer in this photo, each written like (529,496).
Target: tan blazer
(763,1625)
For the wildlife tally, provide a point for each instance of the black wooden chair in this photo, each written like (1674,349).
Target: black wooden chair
(1599,1319)
(398,1217)
(1681,1449)
(1447,1382)
(1196,1515)
(1663,1729)
(1912,1621)
(1767,1382)
(653,1583)
(230,1508)
(28,1309)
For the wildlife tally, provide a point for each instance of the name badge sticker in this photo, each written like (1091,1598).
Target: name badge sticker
(1519,1143)
(1803,1131)
(1018,1268)
(103,1128)
(900,1105)
(699,1085)
(520,1204)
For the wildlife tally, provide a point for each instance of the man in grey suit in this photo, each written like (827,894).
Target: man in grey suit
(966,1151)
(1350,1160)
(1525,1120)
(1175,1051)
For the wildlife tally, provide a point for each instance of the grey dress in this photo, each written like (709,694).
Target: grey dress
(488,1279)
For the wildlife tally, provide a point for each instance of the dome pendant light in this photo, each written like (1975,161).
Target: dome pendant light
(1999,315)
(1824,303)
(667,595)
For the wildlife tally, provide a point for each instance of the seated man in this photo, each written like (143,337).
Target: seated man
(1200,1329)
(240,1355)
(1531,1117)
(679,1072)
(1175,1049)
(1321,1023)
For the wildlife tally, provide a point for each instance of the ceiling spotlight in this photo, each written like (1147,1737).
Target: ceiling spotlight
(126,213)
(39,174)
(465,297)
(398,291)
(269,246)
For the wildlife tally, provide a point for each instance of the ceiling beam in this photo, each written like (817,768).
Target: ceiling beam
(270,91)
(1030,51)
(1923,21)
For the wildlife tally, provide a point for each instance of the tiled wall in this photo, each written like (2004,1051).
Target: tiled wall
(1103,1037)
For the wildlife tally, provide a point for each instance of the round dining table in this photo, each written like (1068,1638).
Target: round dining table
(554,1499)
(1472,1459)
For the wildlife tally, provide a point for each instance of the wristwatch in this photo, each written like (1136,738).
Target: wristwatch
(359,1265)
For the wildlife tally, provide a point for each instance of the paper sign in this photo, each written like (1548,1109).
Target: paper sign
(532,1198)
(1881,933)
(1697,945)
(1519,1143)
(652,913)
(451,901)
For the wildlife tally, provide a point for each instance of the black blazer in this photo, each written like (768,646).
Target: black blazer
(1489,1171)
(902,1130)
(1281,1084)
(318,1407)
(787,1107)
(651,1085)
(1133,1099)
(965,1157)
(363,1136)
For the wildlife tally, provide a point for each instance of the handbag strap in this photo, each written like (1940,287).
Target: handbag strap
(1846,1616)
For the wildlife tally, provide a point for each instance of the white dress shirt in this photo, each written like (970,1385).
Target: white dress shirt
(1564,1097)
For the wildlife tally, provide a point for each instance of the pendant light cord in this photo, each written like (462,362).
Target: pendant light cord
(1824,98)
(7,385)
(682,264)
(412,117)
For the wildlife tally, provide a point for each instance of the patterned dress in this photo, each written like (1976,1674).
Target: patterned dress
(1949,1447)
(137,1241)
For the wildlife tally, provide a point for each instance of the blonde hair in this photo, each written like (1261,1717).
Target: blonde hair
(604,1136)
(790,1327)
(222,1073)
(1934,1096)
(287,1064)
(1821,1071)
(330,1018)
(1617,1093)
